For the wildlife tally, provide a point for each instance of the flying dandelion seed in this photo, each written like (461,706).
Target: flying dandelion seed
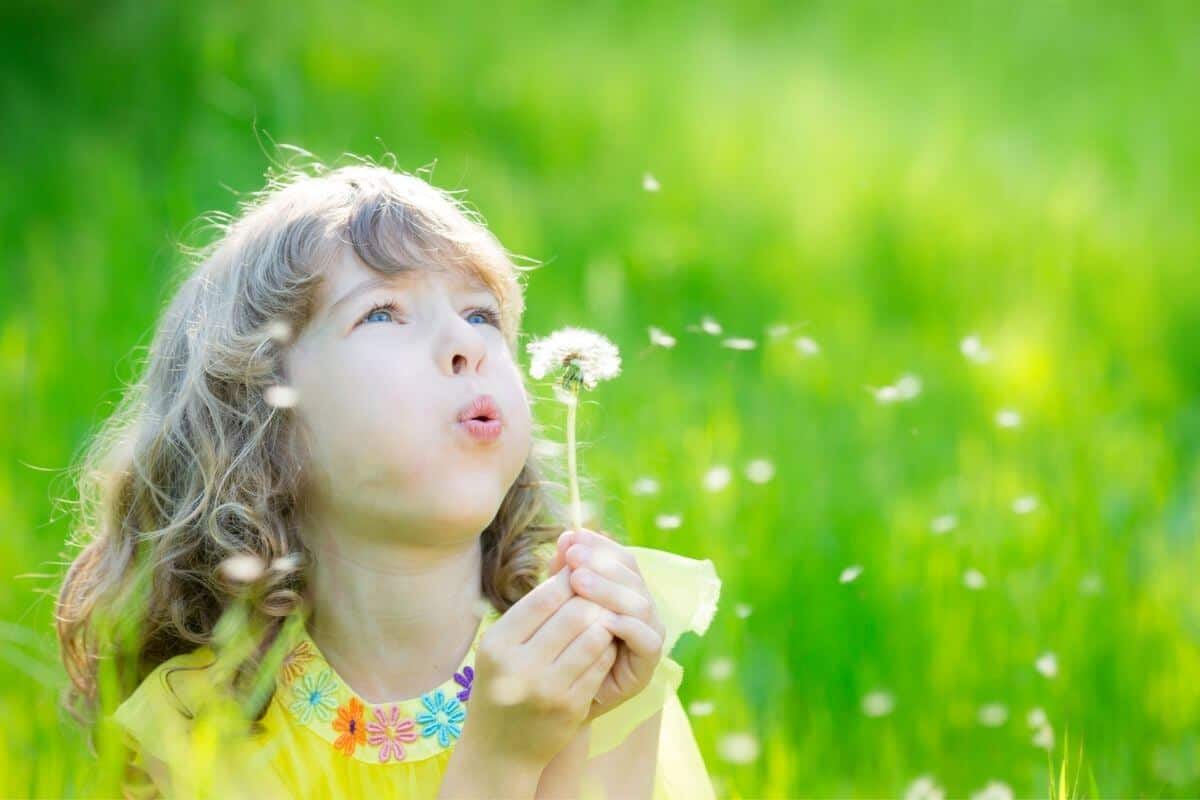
(924,788)
(1090,584)
(1008,418)
(742,610)
(644,486)
(943,524)
(760,470)
(993,715)
(1044,738)
(807,346)
(660,338)
(994,790)
(700,708)
(1025,504)
(878,703)
(719,668)
(973,579)
(1036,717)
(1047,664)
(908,386)
(281,396)
(738,748)
(736,343)
(717,478)
(650,183)
(778,329)
(710,326)
(285,563)
(974,350)
(668,522)
(242,568)
(886,394)
(850,573)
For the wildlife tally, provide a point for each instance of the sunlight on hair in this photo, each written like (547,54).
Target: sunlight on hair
(242,568)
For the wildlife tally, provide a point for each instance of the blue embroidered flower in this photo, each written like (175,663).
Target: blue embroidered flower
(315,696)
(465,679)
(443,717)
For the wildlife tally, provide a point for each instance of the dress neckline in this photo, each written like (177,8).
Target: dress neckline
(316,697)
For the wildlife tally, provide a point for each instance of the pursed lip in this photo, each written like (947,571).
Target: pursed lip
(483,408)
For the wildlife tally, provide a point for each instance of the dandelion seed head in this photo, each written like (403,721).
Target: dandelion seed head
(645,486)
(850,573)
(993,715)
(579,354)
(242,568)
(717,478)
(1047,664)
(738,343)
(1025,504)
(807,346)
(973,579)
(878,703)
(660,338)
(668,522)
(760,470)
(650,183)
(738,748)
(943,524)
(700,708)
(924,788)
(1008,418)
(719,668)
(281,396)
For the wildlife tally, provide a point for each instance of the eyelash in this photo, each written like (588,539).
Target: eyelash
(492,315)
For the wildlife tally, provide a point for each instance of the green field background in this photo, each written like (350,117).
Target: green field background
(888,179)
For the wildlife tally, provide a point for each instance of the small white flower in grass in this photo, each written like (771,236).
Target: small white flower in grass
(974,350)
(1025,504)
(850,573)
(242,568)
(668,522)
(1044,738)
(579,358)
(878,703)
(973,579)
(717,478)
(650,183)
(993,715)
(924,788)
(994,790)
(738,748)
(760,470)
(1008,418)
(806,345)
(645,486)
(719,668)
(1047,664)
(737,343)
(700,708)
(661,338)
(281,396)
(943,524)
(742,610)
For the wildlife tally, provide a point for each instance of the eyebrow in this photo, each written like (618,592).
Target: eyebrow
(470,282)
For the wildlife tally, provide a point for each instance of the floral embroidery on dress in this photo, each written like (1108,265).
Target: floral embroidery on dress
(314,696)
(465,679)
(388,731)
(293,663)
(349,724)
(443,717)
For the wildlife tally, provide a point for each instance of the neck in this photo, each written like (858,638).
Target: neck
(393,618)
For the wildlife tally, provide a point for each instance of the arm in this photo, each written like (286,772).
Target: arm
(563,776)
(628,770)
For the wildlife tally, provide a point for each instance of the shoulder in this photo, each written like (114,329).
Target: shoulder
(166,700)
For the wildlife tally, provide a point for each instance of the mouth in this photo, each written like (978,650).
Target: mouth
(481,419)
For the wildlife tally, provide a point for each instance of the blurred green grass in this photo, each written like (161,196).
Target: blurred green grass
(889,182)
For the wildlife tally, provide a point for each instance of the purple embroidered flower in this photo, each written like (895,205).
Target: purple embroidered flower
(465,679)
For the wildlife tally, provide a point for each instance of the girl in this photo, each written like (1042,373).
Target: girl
(321,507)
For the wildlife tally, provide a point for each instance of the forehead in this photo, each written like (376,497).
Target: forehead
(347,272)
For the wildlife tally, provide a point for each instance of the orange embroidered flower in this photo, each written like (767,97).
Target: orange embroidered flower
(349,723)
(294,661)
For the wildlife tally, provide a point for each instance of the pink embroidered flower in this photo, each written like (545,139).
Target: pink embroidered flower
(387,731)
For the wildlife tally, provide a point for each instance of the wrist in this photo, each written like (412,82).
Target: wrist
(477,770)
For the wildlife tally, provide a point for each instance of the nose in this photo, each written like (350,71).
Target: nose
(462,349)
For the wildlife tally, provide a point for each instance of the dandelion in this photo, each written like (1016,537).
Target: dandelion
(742,610)
(806,345)
(1025,504)
(994,790)
(661,338)
(719,668)
(700,708)
(650,183)
(242,568)
(1047,664)
(738,748)
(644,486)
(878,703)
(924,788)
(281,396)
(760,470)
(581,358)
(1007,418)
(668,522)
(973,579)
(717,478)
(993,715)
(943,524)
(850,573)
(974,350)
(736,343)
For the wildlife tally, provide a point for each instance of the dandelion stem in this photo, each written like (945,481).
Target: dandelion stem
(576,513)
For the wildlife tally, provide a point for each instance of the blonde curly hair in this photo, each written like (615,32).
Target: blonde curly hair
(196,466)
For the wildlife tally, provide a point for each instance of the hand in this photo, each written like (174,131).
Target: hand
(604,571)
(538,668)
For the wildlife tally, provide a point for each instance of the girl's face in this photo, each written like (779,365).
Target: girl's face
(382,372)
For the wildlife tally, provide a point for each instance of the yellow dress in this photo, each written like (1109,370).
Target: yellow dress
(319,740)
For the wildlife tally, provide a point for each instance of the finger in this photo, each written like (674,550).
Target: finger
(603,562)
(529,613)
(586,685)
(557,632)
(643,640)
(560,548)
(599,542)
(582,652)
(614,596)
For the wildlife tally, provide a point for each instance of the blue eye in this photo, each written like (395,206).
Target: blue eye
(389,308)
(490,316)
